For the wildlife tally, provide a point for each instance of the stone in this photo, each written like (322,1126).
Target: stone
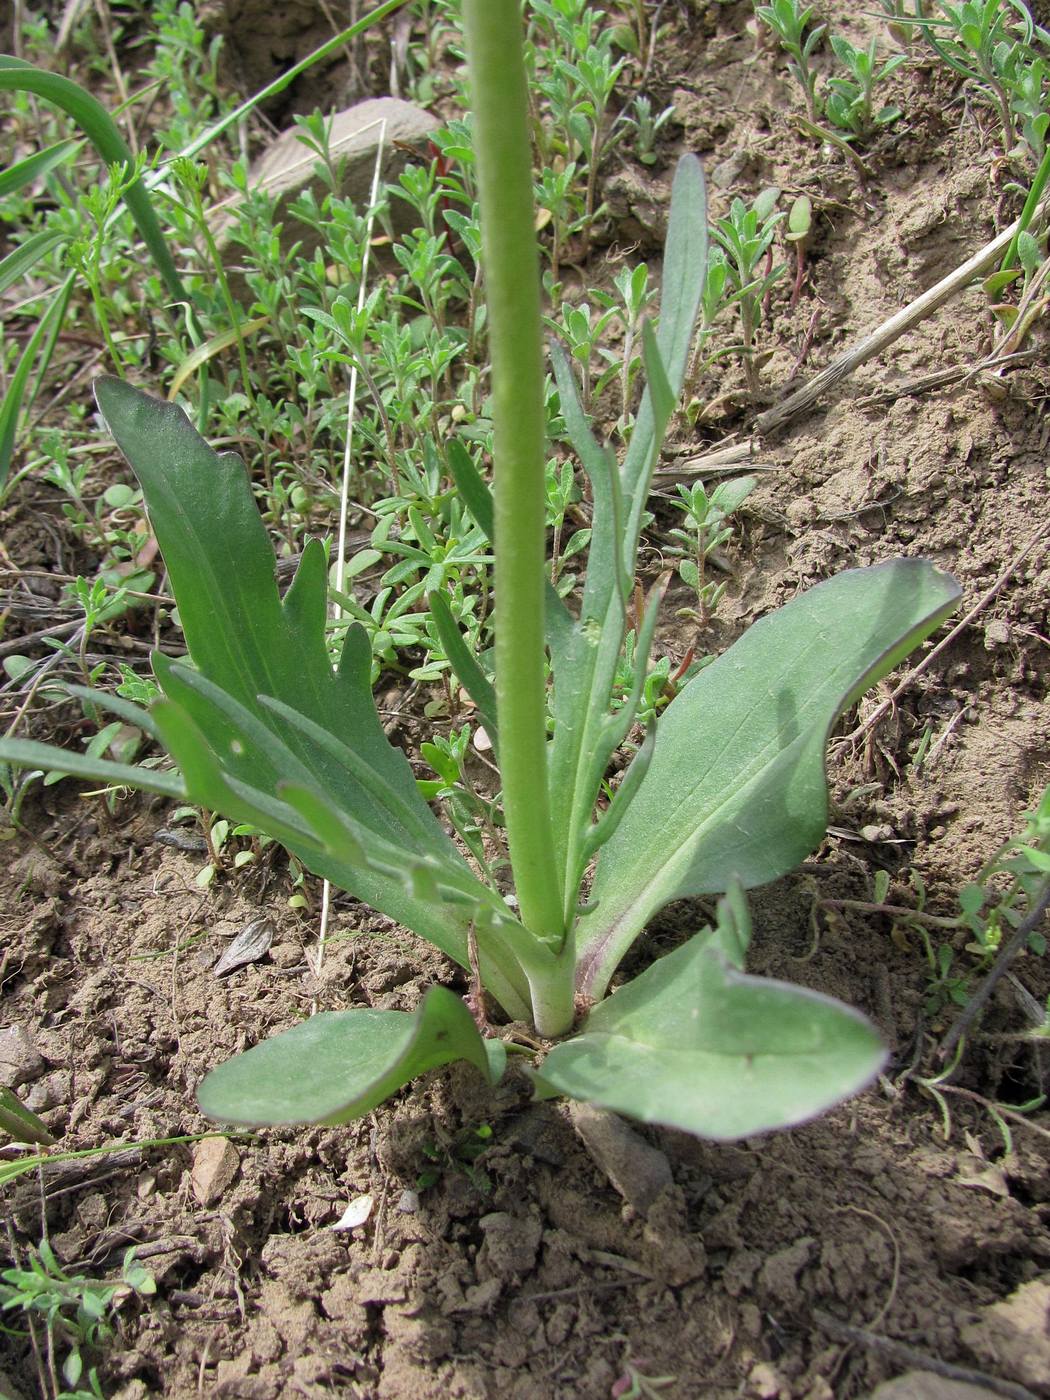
(1013,1337)
(639,1172)
(510,1245)
(215,1164)
(286,168)
(20,1061)
(996,634)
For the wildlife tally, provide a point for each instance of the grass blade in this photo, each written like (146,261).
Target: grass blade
(98,126)
(41,345)
(19,261)
(34,167)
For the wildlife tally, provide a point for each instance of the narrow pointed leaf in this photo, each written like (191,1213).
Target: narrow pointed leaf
(472,487)
(682,286)
(21,259)
(22,1123)
(98,126)
(34,167)
(737,785)
(26,753)
(339,1065)
(129,712)
(469,674)
(695,1044)
(39,349)
(663,396)
(478,497)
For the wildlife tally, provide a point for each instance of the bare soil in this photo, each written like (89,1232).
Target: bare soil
(523,1273)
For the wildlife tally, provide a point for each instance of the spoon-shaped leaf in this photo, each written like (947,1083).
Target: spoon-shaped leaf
(696,1044)
(339,1065)
(736,786)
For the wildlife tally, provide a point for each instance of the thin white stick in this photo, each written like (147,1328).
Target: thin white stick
(976,266)
(344,493)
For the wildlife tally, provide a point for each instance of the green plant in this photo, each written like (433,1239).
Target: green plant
(727,791)
(746,236)
(991,43)
(995,904)
(789,21)
(77,1312)
(645,126)
(707,529)
(848,103)
(21,1123)
(460,1155)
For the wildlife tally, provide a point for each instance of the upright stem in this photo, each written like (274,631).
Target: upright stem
(512,292)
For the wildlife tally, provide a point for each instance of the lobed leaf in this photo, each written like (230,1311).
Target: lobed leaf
(263,711)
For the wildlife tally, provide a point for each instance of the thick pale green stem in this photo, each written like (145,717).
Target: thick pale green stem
(512,292)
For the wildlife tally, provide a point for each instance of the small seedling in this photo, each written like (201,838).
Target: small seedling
(991,43)
(462,1156)
(707,516)
(746,236)
(849,99)
(77,1312)
(790,21)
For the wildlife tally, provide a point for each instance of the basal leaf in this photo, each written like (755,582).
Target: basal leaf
(682,286)
(696,1044)
(736,786)
(339,1065)
(26,753)
(241,636)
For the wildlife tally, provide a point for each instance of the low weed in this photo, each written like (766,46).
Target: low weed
(77,1314)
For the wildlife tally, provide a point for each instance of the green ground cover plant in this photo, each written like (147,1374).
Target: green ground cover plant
(725,791)
(77,1314)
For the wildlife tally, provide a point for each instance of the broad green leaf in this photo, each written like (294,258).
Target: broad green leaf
(264,711)
(260,780)
(696,1044)
(241,636)
(736,786)
(339,1065)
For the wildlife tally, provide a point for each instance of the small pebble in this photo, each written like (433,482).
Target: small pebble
(356,1213)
